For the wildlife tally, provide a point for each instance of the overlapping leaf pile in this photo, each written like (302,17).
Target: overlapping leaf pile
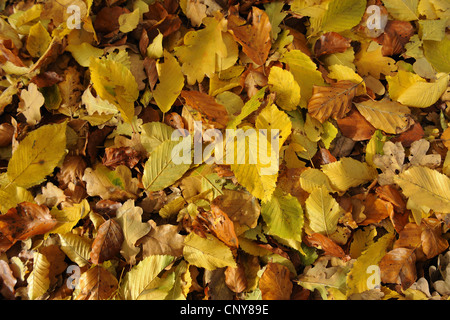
(93,205)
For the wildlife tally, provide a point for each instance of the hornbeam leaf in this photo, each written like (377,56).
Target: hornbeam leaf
(404,10)
(288,91)
(140,277)
(171,81)
(76,247)
(426,186)
(322,211)
(37,155)
(160,171)
(343,15)
(114,82)
(209,253)
(283,215)
(348,172)
(386,115)
(357,278)
(38,281)
(412,90)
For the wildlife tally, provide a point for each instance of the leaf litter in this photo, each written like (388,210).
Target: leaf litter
(94,204)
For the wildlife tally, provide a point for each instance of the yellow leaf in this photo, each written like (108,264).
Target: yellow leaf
(305,73)
(155,49)
(38,40)
(83,52)
(209,253)
(114,82)
(68,217)
(171,81)
(129,21)
(38,280)
(358,277)
(373,62)
(426,187)
(256,165)
(142,275)
(403,10)
(322,211)
(77,248)
(410,89)
(283,84)
(341,72)
(348,172)
(201,49)
(37,155)
(386,115)
(312,179)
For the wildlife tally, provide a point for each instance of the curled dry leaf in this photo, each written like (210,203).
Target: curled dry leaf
(24,221)
(398,266)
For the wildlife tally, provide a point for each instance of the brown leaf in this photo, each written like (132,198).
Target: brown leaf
(334,101)
(126,156)
(211,111)
(107,243)
(254,38)
(7,280)
(432,241)
(398,266)
(107,19)
(55,257)
(331,42)
(324,243)
(239,206)
(396,35)
(355,126)
(162,239)
(25,221)
(235,278)
(409,237)
(275,282)
(174,120)
(220,225)
(375,208)
(97,283)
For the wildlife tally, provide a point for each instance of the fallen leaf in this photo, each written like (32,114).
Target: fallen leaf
(275,283)
(25,221)
(107,243)
(334,101)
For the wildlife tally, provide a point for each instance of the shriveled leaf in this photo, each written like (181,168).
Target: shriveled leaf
(25,221)
(398,266)
(255,38)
